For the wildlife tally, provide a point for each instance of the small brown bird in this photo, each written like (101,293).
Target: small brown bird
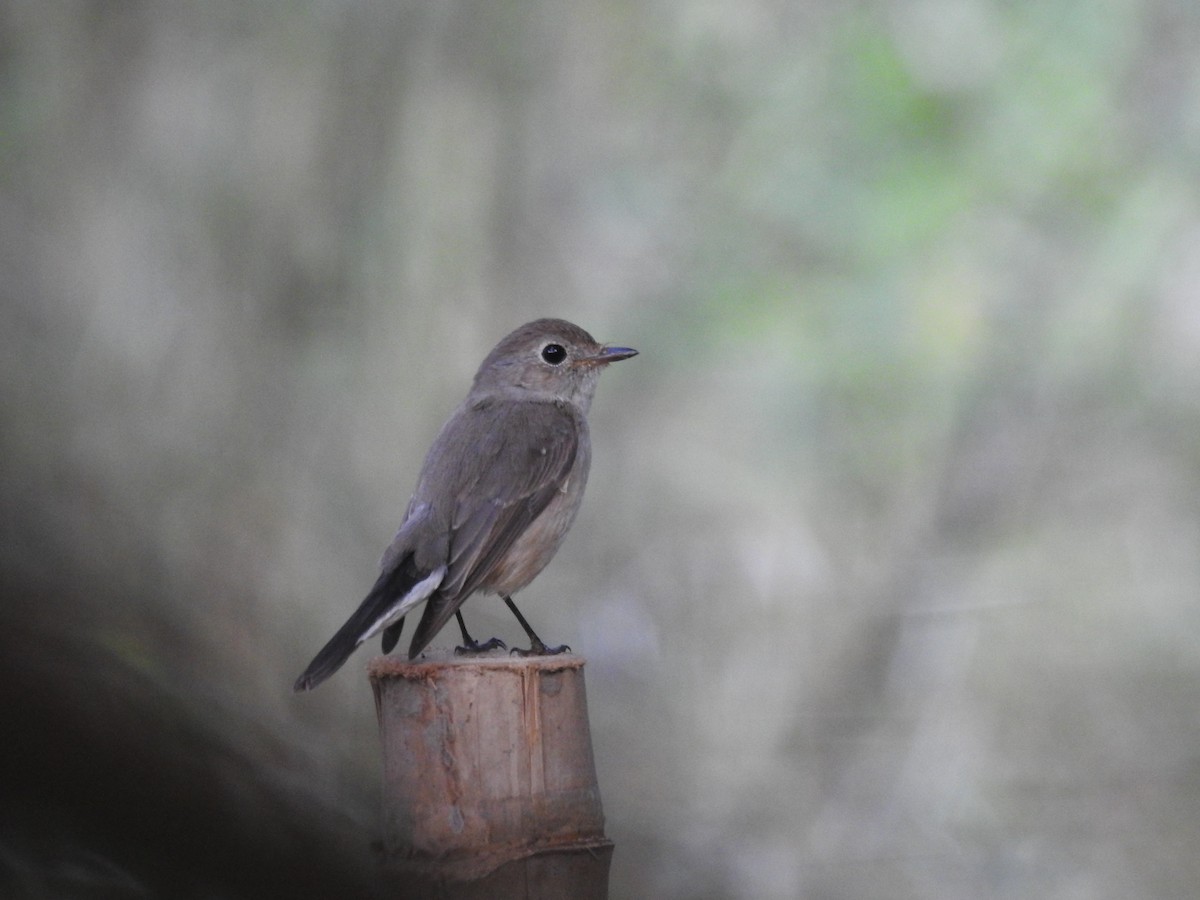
(498,491)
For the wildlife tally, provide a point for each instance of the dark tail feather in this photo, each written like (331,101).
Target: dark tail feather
(390,587)
(437,613)
(391,634)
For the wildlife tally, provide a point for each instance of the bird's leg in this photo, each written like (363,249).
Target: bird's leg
(470,646)
(536,647)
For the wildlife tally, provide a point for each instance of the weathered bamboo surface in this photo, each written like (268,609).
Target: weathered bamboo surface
(489,783)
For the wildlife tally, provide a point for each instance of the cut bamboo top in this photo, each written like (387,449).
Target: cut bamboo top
(397,667)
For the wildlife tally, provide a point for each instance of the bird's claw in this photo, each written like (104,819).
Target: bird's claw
(537,648)
(474,648)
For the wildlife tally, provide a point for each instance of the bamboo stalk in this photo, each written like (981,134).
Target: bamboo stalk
(489,783)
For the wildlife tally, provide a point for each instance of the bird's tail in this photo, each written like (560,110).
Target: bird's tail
(396,591)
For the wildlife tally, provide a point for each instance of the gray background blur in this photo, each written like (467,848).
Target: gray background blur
(887,574)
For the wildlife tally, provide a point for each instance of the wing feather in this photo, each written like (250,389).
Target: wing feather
(527,453)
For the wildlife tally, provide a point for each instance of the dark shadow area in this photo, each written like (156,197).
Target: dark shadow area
(113,789)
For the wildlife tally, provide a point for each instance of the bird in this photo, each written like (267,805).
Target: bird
(497,493)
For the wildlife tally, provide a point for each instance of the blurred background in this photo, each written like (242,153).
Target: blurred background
(887,576)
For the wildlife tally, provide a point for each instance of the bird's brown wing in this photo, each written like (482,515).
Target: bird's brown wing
(505,482)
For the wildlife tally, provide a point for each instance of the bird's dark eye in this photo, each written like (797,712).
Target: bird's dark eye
(554,354)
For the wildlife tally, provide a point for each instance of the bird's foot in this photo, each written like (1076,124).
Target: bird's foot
(537,648)
(474,648)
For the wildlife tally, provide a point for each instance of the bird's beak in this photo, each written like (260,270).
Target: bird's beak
(609,354)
